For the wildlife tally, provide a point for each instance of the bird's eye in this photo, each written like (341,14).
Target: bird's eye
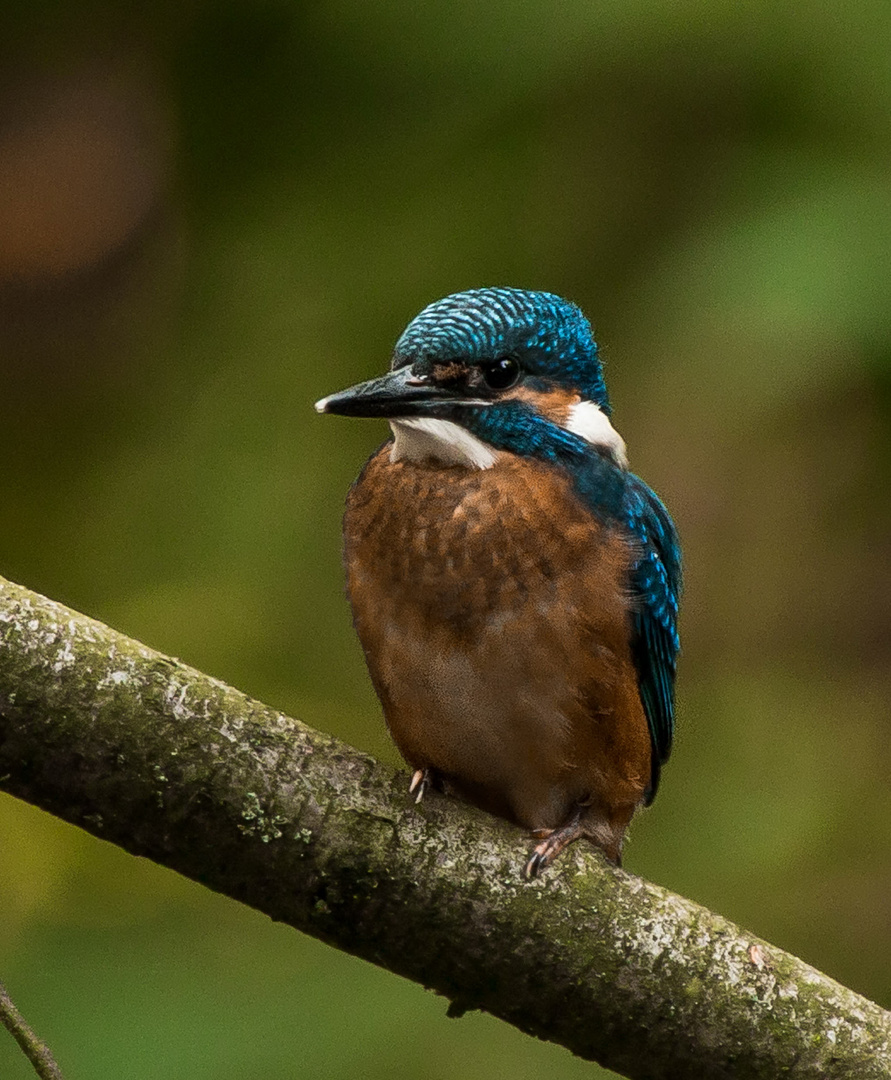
(501,373)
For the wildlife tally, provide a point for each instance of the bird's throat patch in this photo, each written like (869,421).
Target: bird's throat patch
(427,439)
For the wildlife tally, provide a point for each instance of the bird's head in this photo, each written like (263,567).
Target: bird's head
(491,370)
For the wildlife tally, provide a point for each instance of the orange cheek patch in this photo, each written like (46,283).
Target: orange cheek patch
(552,404)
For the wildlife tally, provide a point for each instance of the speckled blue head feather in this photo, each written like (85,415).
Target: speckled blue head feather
(549,336)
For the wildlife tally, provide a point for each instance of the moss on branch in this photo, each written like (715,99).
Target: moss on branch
(173,765)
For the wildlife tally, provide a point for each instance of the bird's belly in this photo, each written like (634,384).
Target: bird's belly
(494,714)
(494,620)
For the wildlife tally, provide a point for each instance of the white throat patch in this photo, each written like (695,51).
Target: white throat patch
(592,424)
(424,439)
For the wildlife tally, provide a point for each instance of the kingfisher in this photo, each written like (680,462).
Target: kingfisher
(513,585)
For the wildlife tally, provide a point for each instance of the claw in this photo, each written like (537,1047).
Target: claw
(552,842)
(535,865)
(421,781)
(542,856)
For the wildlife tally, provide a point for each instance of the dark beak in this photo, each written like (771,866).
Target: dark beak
(398,393)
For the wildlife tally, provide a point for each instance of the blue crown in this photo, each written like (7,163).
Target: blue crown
(549,336)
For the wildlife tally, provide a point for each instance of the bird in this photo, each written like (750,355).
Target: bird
(513,585)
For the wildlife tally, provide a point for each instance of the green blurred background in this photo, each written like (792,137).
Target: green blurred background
(212,214)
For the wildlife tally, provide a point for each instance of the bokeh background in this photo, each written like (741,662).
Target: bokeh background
(213,213)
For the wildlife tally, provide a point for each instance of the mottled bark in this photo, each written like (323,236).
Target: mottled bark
(170,764)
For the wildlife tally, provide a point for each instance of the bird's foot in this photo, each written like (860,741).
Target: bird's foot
(553,841)
(422,781)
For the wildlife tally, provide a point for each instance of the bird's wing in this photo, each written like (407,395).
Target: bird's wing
(656,584)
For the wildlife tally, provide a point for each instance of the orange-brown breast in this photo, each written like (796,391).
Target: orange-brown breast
(494,614)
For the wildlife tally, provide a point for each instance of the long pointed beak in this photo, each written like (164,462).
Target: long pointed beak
(398,393)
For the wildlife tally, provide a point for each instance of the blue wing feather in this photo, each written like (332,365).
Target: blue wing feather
(656,584)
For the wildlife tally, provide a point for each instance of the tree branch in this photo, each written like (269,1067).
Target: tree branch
(35,1051)
(173,765)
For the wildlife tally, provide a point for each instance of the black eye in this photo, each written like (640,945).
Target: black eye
(501,373)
